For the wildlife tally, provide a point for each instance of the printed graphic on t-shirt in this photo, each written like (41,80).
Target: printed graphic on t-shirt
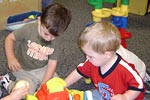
(38,51)
(105,91)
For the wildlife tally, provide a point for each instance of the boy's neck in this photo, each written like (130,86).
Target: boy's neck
(109,64)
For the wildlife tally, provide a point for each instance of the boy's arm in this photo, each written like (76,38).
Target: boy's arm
(73,77)
(9,50)
(131,94)
(51,68)
(128,95)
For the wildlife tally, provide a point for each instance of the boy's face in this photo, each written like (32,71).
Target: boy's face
(43,32)
(95,58)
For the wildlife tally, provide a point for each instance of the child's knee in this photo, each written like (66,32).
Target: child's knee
(32,86)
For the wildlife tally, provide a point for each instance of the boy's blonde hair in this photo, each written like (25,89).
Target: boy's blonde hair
(101,37)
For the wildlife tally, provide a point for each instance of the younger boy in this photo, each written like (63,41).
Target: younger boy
(38,47)
(113,77)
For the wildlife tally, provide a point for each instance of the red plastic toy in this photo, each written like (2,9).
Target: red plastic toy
(43,94)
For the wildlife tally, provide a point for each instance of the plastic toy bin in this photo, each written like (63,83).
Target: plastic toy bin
(17,21)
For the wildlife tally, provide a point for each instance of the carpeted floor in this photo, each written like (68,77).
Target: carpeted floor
(71,55)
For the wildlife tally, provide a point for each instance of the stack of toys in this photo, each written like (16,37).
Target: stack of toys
(119,16)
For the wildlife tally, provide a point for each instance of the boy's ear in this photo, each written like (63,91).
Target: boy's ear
(108,53)
(38,18)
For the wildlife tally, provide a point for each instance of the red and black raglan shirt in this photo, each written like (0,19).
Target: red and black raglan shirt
(121,77)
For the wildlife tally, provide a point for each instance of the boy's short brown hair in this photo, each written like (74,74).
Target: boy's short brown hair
(56,18)
(101,37)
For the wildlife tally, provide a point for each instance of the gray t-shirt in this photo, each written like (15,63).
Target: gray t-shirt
(32,52)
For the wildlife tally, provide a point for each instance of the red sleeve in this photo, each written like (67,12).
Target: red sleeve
(84,69)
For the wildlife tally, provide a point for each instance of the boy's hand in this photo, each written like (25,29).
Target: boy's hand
(119,97)
(19,93)
(13,64)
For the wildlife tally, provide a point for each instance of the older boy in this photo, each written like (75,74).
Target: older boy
(37,54)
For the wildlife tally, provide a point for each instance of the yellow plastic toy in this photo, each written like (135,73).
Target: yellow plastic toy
(31,17)
(55,85)
(21,83)
(87,80)
(55,89)
(120,11)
